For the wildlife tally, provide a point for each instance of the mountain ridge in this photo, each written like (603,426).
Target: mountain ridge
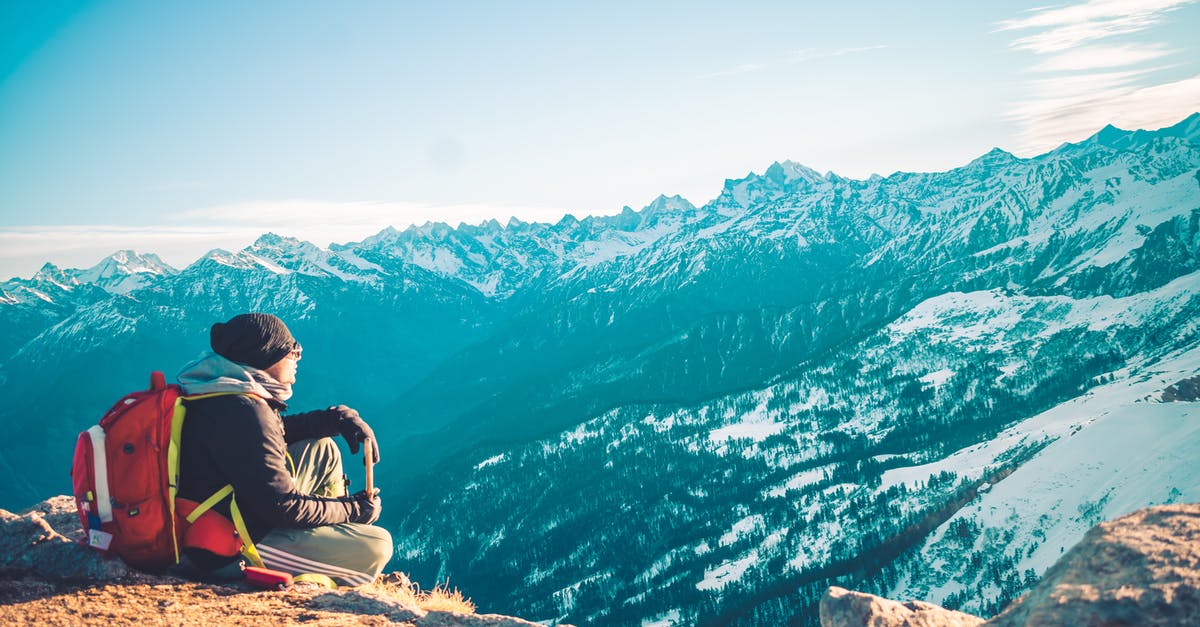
(777,177)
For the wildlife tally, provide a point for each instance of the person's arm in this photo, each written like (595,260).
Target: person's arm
(253,457)
(323,423)
(310,425)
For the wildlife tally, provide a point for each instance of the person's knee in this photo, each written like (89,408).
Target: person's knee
(326,447)
(379,543)
(317,448)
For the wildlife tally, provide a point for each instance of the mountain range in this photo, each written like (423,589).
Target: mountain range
(690,415)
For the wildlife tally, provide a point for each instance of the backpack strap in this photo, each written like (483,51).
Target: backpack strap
(173,472)
(210,502)
(248,549)
(100,472)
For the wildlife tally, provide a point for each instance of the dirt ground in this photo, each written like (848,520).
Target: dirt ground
(156,600)
(30,601)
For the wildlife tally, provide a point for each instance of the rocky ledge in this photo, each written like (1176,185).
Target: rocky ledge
(1141,569)
(48,578)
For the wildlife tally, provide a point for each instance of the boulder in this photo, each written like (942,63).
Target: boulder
(844,608)
(1182,391)
(29,543)
(1140,569)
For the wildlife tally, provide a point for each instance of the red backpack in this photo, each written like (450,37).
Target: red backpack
(126,474)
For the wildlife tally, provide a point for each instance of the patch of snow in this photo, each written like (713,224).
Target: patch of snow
(495,459)
(727,573)
(808,477)
(741,528)
(353,259)
(668,619)
(269,265)
(488,287)
(439,260)
(757,431)
(755,425)
(939,378)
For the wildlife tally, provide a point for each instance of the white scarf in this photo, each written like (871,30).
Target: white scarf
(214,373)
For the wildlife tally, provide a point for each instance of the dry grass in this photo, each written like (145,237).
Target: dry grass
(442,598)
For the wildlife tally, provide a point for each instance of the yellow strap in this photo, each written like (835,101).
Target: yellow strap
(248,549)
(196,397)
(173,467)
(210,502)
(316,578)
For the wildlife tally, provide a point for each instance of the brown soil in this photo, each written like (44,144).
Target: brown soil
(31,601)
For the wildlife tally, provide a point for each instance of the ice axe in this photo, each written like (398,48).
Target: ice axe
(369,459)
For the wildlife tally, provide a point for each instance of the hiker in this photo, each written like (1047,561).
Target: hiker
(286,471)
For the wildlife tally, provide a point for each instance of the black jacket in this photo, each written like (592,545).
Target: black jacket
(242,440)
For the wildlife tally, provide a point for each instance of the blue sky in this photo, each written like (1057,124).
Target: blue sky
(175,127)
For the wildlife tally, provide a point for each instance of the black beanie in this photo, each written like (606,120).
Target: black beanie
(255,339)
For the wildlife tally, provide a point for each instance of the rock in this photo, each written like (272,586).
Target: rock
(1185,390)
(59,512)
(1140,569)
(843,608)
(368,602)
(29,543)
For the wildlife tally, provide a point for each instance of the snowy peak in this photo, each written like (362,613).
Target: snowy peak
(994,157)
(1187,128)
(669,204)
(1111,137)
(287,251)
(220,257)
(674,209)
(283,255)
(125,271)
(50,273)
(788,172)
(779,179)
(50,285)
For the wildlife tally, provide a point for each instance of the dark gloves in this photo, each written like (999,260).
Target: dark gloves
(354,429)
(365,507)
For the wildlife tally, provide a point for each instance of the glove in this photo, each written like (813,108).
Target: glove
(366,507)
(354,429)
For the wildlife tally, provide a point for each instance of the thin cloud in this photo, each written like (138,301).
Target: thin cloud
(1101,57)
(1093,83)
(797,56)
(1048,122)
(1074,25)
(809,54)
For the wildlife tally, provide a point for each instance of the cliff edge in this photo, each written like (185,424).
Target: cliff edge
(48,578)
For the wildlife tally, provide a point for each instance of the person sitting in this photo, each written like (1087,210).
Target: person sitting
(285,470)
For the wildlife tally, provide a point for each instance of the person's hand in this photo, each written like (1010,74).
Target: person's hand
(367,507)
(354,429)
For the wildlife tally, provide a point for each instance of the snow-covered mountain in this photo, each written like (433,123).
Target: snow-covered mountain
(706,414)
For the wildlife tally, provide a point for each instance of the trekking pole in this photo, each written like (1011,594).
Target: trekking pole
(369,459)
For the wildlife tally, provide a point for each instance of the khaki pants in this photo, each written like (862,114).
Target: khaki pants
(351,554)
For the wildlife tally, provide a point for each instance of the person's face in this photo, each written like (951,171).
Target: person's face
(284,370)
